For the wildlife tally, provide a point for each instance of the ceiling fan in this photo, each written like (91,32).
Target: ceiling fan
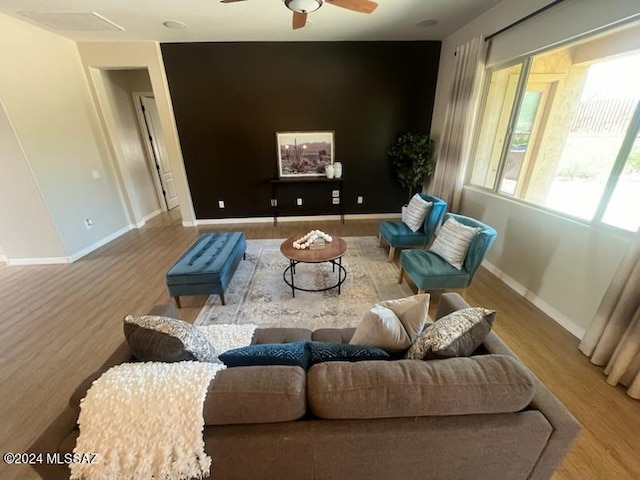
(300,8)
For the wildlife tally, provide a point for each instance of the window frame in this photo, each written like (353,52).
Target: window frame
(619,164)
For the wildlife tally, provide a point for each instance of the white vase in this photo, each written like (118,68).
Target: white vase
(329,171)
(337,169)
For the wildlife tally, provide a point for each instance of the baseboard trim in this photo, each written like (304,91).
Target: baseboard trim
(94,246)
(144,220)
(3,259)
(296,218)
(15,262)
(560,318)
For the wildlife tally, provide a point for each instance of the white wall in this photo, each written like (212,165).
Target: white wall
(132,157)
(562,266)
(145,55)
(26,230)
(47,100)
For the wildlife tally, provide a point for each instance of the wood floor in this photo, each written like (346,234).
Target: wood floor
(58,323)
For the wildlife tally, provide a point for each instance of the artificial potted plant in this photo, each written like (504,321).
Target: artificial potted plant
(412,160)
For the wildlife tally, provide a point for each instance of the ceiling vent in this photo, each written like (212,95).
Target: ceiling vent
(76,21)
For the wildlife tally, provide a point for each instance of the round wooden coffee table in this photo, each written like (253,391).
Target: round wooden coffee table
(332,252)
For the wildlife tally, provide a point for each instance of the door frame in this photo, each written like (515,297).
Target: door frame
(150,154)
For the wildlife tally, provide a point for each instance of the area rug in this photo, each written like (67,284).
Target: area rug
(258,294)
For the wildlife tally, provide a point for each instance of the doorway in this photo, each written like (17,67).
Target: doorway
(149,121)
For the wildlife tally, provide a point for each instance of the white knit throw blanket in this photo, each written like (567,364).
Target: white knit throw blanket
(145,420)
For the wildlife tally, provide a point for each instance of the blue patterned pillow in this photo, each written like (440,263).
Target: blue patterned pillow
(343,352)
(294,353)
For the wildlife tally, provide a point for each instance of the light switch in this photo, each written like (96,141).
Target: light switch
(95,174)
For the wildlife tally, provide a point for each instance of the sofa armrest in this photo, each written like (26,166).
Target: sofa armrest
(565,426)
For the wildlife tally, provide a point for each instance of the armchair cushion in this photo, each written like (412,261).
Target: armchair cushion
(413,216)
(453,240)
(430,271)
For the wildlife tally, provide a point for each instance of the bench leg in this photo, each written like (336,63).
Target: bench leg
(222,299)
(177,299)
(379,239)
(392,252)
(401,275)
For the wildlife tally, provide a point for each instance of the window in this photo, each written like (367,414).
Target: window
(560,130)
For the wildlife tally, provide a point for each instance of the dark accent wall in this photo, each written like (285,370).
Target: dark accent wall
(230,99)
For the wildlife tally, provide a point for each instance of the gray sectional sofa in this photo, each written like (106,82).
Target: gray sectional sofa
(480,417)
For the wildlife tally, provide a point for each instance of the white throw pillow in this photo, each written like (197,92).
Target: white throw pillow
(393,325)
(413,216)
(452,242)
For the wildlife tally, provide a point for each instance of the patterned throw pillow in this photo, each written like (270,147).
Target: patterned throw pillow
(393,325)
(413,216)
(321,352)
(458,334)
(153,338)
(294,354)
(452,242)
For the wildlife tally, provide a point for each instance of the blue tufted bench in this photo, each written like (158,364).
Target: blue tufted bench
(208,266)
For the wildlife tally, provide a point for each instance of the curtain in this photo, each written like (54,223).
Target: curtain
(454,145)
(613,338)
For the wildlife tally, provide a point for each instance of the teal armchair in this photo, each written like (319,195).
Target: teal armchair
(429,271)
(397,235)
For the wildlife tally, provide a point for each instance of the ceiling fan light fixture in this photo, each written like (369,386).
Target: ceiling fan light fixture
(303,6)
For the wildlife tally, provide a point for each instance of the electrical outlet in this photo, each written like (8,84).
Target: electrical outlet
(299,202)
(88,223)
(95,174)
(274,202)
(360,199)
(220,203)
(335,193)
(336,201)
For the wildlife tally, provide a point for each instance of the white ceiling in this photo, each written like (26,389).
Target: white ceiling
(256,20)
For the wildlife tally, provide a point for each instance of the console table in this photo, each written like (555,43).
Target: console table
(333,182)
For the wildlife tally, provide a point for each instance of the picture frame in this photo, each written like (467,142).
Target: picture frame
(304,154)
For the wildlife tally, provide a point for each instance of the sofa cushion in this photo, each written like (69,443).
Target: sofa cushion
(393,325)
(320,352)
(333,335)
(281,335)
(260,394)
(294,354)
(406,388)
(458,334)
(153,338)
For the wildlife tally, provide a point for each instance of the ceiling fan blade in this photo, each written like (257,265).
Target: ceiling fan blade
(299,20)
(362,6)
(231,1)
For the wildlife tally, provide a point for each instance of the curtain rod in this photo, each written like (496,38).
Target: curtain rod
(524,19)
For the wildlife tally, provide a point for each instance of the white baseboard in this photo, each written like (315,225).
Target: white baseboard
(144,220)
(560,318)
(14,262)
(94,246)
(3,259)
(297,218)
